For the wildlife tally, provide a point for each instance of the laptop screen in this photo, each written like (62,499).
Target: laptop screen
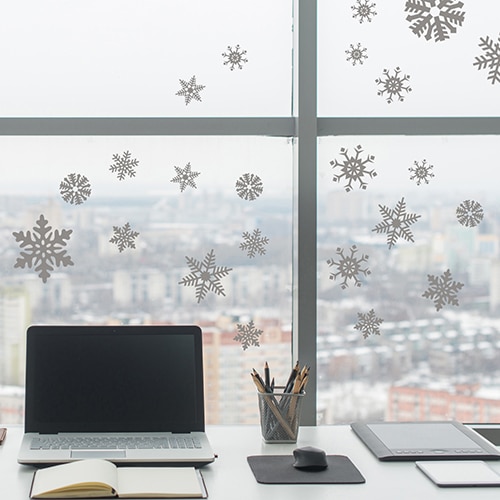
(114,379)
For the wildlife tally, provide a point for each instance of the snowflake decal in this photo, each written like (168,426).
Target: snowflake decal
(234,57)
(356,54)
(75,189)
(249,187)
(421,172)
(434,18)
(190,90)
(396,223)
(469,213)
(185,177)
(353,168)
(43,248)
(349,266)
(364,11)
(368,324)
(254,243)
(124,165)
(248,335)
(490,59)
(124,237)
(205,276)
(442,290)
(393,85)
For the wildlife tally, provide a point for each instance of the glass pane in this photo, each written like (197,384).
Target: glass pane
(136,225)
(409,283)
(146,58)
(386,58)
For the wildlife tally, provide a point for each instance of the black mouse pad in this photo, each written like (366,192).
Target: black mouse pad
(279,469)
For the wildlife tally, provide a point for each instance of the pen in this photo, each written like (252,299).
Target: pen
(3,434)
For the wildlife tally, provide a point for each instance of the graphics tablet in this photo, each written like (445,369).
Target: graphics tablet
(395,441)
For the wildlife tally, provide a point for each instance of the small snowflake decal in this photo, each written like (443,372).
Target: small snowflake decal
(124,165)
(124,237)
(432,20)
(205,276)
(469,213)
(396,223)
(234,57)
(393,85)
(356,54)
(254,243)
(190,90)
(349,266)
(353,168)
(368,324)
(421,172)
(185,177)
(248,335)
(249,187)
(44,248)
(75,189)
(442,290)
(490,59)
(364,11)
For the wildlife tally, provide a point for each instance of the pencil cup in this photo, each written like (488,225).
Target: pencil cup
(280,416)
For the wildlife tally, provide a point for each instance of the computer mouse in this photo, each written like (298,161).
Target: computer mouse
(310,458)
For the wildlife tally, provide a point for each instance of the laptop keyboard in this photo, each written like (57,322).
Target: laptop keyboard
(113,442)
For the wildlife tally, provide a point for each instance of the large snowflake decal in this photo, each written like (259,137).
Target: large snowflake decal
(434,18)
(421,172)
(356,54)
(234,57)
(205,276)
(43,248)
(364,11)
(185,177)
(349,266)
(124,237)
(490,59)
(469,213)
(393,86)
(124,165)
(190,90)
(75,189)
(249,187)
(442,290)
(396,223)
(254,243)
(248,335)
(353,168)
(368,324)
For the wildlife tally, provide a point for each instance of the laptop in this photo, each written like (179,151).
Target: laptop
(128,394)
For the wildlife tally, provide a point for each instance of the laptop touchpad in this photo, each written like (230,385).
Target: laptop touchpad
(109,454)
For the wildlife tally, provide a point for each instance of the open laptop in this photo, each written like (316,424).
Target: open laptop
(129,394)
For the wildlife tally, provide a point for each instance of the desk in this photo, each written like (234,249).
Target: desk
(230,477)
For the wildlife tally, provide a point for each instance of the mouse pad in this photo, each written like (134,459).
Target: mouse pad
(279,469)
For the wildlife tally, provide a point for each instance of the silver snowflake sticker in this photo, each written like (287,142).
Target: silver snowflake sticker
(185,177)
(254,243)
(43,249)
(190,90)
(353,168)
(234,57)
(490,59)
(249,187)
(356,54)
(349,267)
(75,189)
(124,237)
(434,18)
(205,276)
(392,86)
(421,172)
(469,213)
(396,223)
(364,11)
(442,290)
(248,335)
(124,165)
(368,324)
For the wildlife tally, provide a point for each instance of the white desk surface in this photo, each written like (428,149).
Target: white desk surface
(230,477)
